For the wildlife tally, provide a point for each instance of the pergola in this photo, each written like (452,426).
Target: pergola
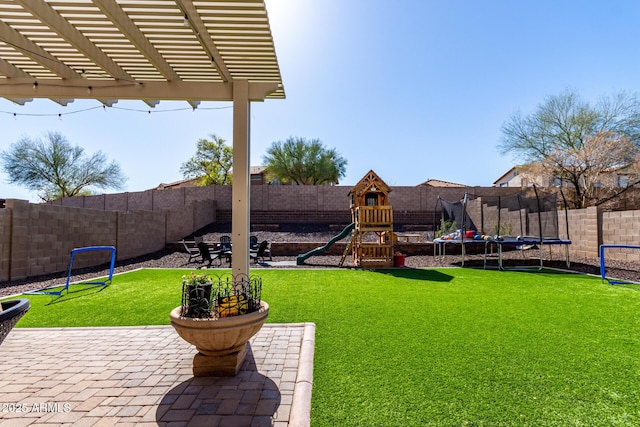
(148,50)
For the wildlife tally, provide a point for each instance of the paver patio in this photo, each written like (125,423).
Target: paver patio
(142,376)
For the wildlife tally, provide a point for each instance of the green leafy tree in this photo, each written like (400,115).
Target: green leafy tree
(570,141)
(211,164)
(55,168)
(303,162)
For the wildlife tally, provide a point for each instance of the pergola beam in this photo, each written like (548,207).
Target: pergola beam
(202,33)
(121,90)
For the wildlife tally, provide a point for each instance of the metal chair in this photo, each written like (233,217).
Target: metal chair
(207,255)
(225,243)
(194,253)
(260,252)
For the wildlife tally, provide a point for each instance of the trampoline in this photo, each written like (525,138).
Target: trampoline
(504,223)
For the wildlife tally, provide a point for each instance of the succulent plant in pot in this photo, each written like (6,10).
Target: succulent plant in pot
(196,295)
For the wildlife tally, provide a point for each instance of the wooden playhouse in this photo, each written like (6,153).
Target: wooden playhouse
(371,243)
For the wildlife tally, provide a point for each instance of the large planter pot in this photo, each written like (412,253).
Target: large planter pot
(11,312)
(221,342)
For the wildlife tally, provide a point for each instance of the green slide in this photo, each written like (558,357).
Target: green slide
(344,233)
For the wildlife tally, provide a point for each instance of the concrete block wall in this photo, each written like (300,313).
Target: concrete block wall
(179,223)
(42,237)
(406,199)
(333,198)
(621,228)
(19,250)
(169,215)
(95,202)
(5,243)
(583,228)
(37,239)
(139,233)
(204,213)
(117,202)
(140,201)
(168,199)
(475,212)
(329,204)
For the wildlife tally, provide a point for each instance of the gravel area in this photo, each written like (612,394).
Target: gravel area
(176,259)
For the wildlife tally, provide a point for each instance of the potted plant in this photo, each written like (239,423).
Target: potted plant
(218,316)
(198,295)
(11,311)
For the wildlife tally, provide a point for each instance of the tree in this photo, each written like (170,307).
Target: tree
(568,139)
(57,169)
(303,162)
(211,164)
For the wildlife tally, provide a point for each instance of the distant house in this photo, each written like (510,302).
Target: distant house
(438,183)
(191,182)
(511,178)
(514,177)
(625,176)
(257,178)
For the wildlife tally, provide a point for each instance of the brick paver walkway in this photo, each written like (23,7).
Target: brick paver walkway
(142,376)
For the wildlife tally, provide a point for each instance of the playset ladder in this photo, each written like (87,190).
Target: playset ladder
(347,249)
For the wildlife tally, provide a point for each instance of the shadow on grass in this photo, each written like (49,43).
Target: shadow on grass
(416,274)
(78,290)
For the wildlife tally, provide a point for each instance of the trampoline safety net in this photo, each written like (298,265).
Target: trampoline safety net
(514,215)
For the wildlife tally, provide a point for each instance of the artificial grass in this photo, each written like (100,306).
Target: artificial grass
(447,347)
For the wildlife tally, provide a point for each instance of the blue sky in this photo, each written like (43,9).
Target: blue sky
(413,89)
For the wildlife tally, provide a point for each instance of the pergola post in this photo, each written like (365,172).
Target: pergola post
(241,191)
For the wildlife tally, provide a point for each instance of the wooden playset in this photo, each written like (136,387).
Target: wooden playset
(371,243)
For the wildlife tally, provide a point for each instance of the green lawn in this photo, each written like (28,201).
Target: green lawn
(446,347)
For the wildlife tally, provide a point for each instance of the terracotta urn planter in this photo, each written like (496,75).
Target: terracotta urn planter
(221,341)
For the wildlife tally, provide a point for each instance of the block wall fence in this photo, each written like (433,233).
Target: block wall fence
(37,239)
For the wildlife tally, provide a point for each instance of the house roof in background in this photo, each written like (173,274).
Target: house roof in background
(439,183)
(504,175)
(256,170)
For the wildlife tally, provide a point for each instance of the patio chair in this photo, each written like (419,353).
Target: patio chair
(267,251)
(10,312)
(253,242)
(207,255)
(225,243)
(256,255)
(194,253)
